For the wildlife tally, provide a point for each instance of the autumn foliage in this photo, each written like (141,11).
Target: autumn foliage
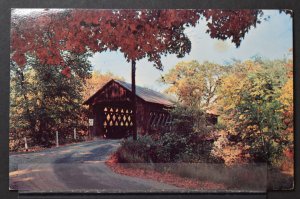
(254,100)
(195,84)
(51,36)
(45,99)
(135,33)
(258,111)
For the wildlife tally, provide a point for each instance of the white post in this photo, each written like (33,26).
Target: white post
(75,133)
(57,144)
(26,146)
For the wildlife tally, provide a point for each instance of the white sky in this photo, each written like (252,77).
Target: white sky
(271,40)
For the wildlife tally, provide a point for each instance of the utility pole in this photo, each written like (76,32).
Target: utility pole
(74,133)
(133,99)
(26,146)
(57,144)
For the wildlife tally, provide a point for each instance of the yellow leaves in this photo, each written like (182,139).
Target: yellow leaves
(191,81)
(266,129)
(235,82)
(251,66)
(252,128)
(241,117)
(171,89)
(229,91)
(290,136)
(97,80)
(286,97)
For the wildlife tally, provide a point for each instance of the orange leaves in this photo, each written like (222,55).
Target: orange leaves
(289,153)
(96,82)
(136,33)
(66,71)
(19,58)
(286,98)
(233,24)
(43,55)
(133,27)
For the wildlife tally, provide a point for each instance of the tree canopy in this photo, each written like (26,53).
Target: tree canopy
(256,107)
(43,100)
(254,100)
(135,33)
(96,82)
(195,84)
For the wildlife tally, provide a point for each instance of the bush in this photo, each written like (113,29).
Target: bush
(185,141)
(139,151)
(186,120)
(170,148)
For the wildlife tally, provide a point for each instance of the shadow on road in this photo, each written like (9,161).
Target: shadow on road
(97,154)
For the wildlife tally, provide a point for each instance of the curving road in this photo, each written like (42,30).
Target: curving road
(75,168)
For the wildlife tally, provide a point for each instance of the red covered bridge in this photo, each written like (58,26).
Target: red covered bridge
(112,110)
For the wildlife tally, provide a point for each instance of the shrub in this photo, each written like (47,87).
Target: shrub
(185,141)
(187,119)
(170,148)
(139,151)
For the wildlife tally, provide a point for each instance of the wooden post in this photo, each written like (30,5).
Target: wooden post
(91,124)
(133,99)
(74,133)
(57,144)
(26,146)
(90,133)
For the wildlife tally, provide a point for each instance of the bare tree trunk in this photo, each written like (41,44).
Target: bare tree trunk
(133,100)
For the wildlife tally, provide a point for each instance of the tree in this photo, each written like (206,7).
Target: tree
(96,81)
(135,33)
(44,100)
(230,90)
(252,108)
(287,100)
(195,84)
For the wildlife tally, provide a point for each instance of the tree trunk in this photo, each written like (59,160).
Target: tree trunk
(133,100)
(29,118)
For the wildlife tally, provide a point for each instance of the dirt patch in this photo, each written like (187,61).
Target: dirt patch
(167,178)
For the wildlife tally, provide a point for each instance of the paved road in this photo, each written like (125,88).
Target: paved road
(75,168)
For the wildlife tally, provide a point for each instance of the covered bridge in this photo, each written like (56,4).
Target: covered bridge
(111,110)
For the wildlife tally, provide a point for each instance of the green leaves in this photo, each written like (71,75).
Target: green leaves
(44,100)
(254,107)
